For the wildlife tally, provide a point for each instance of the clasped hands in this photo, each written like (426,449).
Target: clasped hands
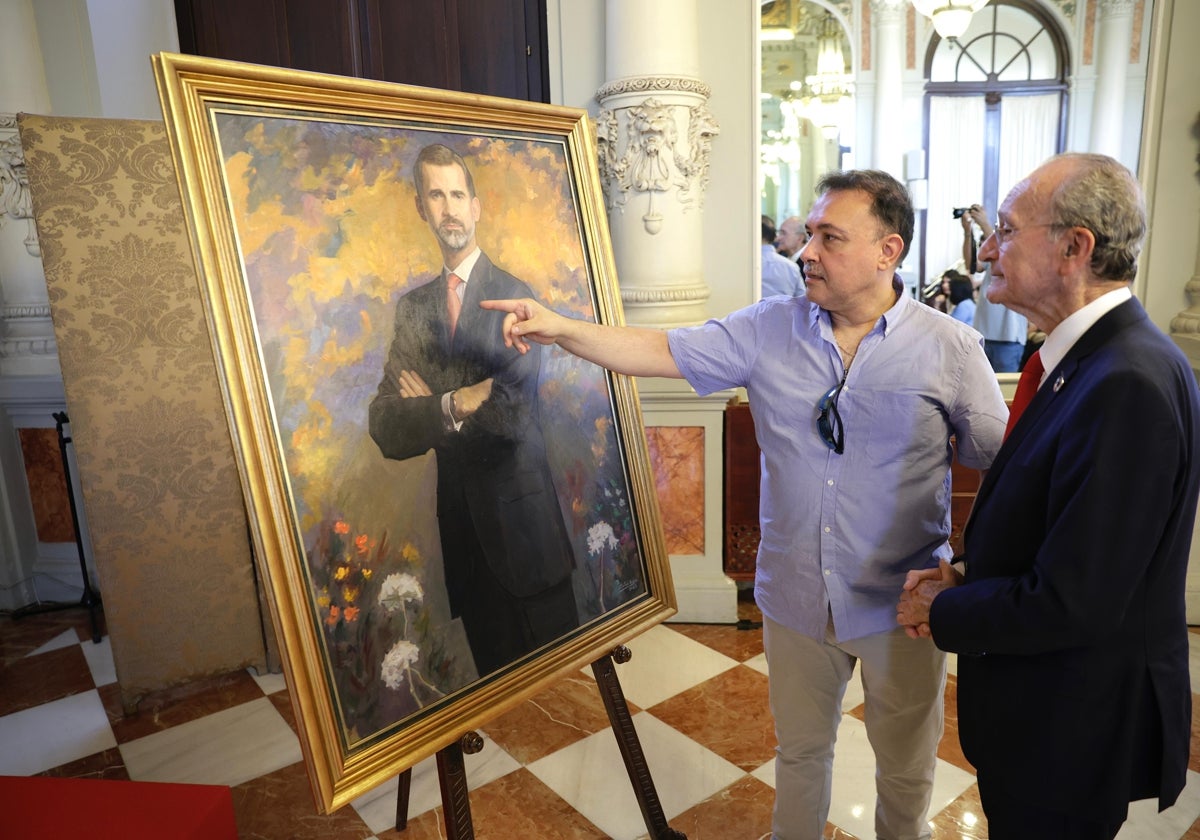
(467,399)
(921,586)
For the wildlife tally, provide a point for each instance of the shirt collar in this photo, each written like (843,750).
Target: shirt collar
(465,267)
(1072,328)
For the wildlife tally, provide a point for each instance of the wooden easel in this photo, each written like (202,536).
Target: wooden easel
(452,772)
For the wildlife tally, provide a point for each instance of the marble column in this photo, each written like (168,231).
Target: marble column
(887,17)
(1115,33)
(654,132)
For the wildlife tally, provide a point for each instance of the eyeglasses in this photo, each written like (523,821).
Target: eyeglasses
(1004,231)
(831,430)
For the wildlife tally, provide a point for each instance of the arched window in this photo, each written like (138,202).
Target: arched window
(995,107)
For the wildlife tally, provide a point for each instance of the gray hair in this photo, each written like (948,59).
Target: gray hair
(1103,196)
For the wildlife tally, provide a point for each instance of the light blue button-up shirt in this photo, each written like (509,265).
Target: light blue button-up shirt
(839,532)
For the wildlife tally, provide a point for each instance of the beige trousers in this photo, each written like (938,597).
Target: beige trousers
(903,680)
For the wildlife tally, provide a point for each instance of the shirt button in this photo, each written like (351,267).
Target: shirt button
(826,571)
(830,482)
(827,529)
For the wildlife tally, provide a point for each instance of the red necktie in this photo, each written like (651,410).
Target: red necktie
(1027,386)
(453,304)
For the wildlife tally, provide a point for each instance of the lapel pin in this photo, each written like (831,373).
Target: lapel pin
(1058,383)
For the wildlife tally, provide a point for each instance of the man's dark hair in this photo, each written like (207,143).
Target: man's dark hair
(891,204)
(768,229)
(438,155)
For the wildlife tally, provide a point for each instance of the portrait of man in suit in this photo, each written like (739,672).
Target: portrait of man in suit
(450,385)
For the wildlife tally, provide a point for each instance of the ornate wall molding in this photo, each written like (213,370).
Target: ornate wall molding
(653,145)
(15,201)
(653,84)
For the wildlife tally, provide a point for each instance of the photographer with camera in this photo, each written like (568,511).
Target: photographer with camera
(1004,331)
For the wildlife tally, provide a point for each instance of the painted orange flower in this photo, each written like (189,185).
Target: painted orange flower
(361,543)
(350,614)
(334,615)
(341,527)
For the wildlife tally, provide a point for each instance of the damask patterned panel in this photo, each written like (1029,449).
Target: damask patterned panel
(156,464)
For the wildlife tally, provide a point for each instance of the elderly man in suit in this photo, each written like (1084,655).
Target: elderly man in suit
(1073,689)
(450,385)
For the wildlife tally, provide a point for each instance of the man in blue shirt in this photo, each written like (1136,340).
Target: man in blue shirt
(856,390)
(780,276)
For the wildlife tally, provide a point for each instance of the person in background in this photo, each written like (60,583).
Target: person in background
(962,298)
(791,238)
(1003,329)
(854,414)
(780,276)
(1070,624)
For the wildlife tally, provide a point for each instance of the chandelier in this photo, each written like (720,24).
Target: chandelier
(827,93)
(950,17)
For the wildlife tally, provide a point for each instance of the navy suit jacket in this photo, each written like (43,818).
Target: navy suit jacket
(495,489)
(1073,688)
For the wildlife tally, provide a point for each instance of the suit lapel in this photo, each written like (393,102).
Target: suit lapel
(1058,382)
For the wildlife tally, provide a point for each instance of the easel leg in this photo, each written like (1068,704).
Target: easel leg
(452,779)
(405,780)
(631,748)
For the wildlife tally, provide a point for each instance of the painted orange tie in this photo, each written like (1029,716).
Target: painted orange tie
(453,304)
(1027,386)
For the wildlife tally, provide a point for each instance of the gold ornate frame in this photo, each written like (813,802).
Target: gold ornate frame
(255,186)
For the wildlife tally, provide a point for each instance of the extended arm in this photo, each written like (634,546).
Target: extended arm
(635,351)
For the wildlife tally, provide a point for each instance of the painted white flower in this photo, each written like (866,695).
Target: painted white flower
(600,536)
(403,655)
(398,589)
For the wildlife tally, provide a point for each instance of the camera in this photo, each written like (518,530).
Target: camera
(958,211)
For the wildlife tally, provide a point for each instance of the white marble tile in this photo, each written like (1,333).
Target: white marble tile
(852,801)
(666,662)
(758,663)
(952,663)
(591,776)
(269,683)
(1146,823)
(64,639)
(377,808)
(54,733)
(225,748)
(100,661)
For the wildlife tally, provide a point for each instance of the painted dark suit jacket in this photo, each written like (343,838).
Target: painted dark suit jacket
(1073,689)
(493,476)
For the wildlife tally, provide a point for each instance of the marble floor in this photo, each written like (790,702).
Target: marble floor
(549,769)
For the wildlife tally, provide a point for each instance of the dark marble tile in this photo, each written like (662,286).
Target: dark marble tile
(21,636)
(171,707)
(103,765)
(280,805)
(737,641)
(729,714)
(33,680)
(741,811)
(557,717)
(517,805)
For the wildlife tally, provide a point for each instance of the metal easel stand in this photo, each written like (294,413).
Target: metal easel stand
(90,599)
(452,774)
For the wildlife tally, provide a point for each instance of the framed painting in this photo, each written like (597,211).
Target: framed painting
(444,525)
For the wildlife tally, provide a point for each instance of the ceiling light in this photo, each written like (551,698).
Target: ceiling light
(950,17)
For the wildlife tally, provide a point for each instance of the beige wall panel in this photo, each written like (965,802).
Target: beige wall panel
(160,484)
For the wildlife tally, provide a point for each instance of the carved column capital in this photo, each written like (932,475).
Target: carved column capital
(15,201)
(654,136)
(1114,8)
